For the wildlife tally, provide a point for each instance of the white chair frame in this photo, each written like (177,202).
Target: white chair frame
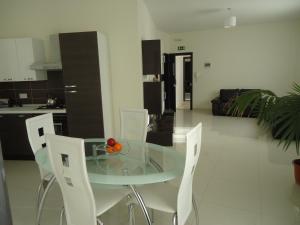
(185,198)
(130,117)
(36,128)
(67,158)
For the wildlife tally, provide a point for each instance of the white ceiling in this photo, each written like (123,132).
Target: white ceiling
(190,15)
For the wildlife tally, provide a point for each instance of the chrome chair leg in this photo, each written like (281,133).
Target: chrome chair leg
(41,204)
(131,214)
(39,192)
(174,220)
(195,209)
(62,213)
(99,222)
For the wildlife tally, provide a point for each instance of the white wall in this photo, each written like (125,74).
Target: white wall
(148,29)
(257,56)
(116,19)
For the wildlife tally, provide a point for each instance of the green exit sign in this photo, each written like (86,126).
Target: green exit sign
(181,48)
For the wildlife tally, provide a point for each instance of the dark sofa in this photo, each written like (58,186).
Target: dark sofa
(222,103)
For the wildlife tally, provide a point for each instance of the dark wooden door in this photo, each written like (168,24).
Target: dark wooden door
(170,82)
(188,79)
(151,57)
(81,75)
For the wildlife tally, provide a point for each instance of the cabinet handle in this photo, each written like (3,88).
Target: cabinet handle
(71,92)
(21,116)
(70,86)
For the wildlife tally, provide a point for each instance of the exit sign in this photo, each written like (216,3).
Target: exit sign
(181,48)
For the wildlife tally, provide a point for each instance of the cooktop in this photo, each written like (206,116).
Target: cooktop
(51,107)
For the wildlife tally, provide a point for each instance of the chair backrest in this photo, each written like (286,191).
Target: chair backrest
(67,158)
(37,127)
(184,198)
(134,124)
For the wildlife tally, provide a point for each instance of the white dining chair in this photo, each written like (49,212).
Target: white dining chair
(83,203)
(134,123)
(37,127)
(170,198)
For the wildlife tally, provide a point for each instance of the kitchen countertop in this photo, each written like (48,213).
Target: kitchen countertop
(29,109)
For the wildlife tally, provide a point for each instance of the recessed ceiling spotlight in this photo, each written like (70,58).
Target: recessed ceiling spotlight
(177,39)
(230,21)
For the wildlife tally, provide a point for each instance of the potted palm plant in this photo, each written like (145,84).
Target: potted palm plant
(280,115)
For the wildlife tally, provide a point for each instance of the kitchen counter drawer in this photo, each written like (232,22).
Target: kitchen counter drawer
(30,110)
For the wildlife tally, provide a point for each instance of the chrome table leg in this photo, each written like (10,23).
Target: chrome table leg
(142,204)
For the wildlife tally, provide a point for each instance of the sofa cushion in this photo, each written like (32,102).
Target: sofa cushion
(228,94)
(245,90)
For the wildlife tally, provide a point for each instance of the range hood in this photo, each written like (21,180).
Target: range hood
(46,66)
(54,60)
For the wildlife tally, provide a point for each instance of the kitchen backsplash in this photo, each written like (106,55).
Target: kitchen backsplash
(37,91)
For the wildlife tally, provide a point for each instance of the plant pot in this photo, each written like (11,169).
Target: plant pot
(296,163)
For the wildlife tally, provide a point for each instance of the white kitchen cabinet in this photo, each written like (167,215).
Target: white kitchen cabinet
(29,51)
(16,57)
(8,60)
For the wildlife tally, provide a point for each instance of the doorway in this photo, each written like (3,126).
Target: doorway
(178,78)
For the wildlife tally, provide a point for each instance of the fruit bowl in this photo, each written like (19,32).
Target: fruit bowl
(112,146)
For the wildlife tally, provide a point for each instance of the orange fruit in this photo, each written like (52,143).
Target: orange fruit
(109,149)
(117,147)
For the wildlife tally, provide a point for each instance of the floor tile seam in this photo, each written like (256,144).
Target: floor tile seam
(205,189)
(224,205)
(232,208)
(226,181)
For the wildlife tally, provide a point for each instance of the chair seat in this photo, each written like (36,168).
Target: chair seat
(160,196)
(106,197)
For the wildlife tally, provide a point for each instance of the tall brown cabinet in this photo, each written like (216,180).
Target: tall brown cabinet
(151,57)
(87,84)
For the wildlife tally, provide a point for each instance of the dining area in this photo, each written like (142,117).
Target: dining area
(92,179)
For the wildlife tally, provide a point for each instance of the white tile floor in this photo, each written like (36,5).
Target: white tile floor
(243,178)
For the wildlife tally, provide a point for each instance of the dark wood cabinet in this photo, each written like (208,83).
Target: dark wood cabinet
(154,97)
(151,54)
(161,123)
(81,75)
(13,135)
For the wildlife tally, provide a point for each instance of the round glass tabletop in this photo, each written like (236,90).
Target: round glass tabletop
(137,163)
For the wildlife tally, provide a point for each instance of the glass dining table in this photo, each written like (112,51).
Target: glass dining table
(138,163)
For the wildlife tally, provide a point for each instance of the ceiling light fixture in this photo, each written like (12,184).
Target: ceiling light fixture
(230,21)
